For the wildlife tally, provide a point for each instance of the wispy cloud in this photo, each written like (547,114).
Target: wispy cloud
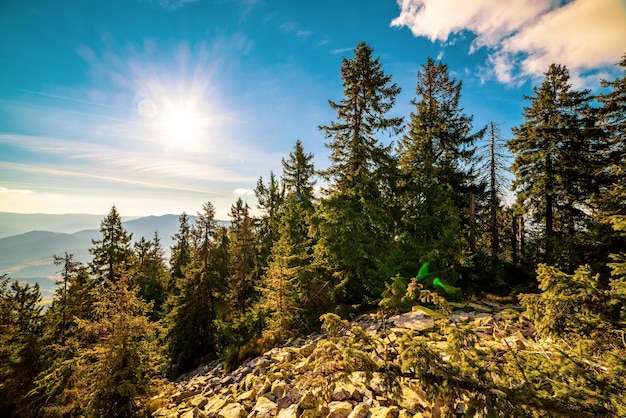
(130,166)
(170,4)
(338,51)
(525,36)
(6,190)
(289,27)
(243,192)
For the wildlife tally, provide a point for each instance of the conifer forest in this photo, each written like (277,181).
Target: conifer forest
(447,218)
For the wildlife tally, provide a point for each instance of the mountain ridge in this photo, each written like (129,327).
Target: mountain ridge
(28,256)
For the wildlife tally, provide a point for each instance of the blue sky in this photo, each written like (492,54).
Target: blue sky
(158,106)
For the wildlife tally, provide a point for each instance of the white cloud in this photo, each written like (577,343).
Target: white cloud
(170,4)
(525,36)
(243,192)
(490,20)
(340,50)
(6,190)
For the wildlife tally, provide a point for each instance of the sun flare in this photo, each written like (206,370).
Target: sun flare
(182,125)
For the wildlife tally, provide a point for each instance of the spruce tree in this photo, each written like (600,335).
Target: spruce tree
(437,180)
(21,327)
(181,255)
(289,282)
(270,202)
(298,174)
(191,335)
(150,273)
(354,222)
(124,356)
(610,199)
(242,256)
(551,150)
(113,254)
(61,388)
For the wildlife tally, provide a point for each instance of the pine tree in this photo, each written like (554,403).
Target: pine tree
(270,202)
(354,222)
(437,184)
(150,273)
(113,254)
(61,388)
(124,354)
(20,345)
(192,331)
(610,200)
(289,282)
(179,259)
(242,256)
(551,148)
(298,174)
(493,222)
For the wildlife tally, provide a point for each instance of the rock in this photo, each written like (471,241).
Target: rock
(339,409)
(181,396)
(381,401)
(227,380)
(198,401)
(290,412)
(166,413)
(258,363)
(233,410)
(279,388)
(384,412)
(415,320)
(307,350)
(265,408)
(283,357)
(308,401)
(264,388)
(360,411)
(249,395)
(340,394)
(215,404)
(187,414)
(290,398)
(319,411)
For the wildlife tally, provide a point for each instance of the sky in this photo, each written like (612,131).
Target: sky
(158,106)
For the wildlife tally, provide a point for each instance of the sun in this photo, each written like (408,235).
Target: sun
(182,125)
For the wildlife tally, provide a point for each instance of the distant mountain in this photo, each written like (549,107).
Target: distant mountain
(19,223)
(28,256)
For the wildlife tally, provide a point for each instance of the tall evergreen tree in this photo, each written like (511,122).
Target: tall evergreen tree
(181,254)
(610,200)
(20,345)
(298,174)
(124,355)
(113,254)
(354,223)
(192,329)
(437,181)
(289,281)
(270,202)
(551,148)
(61,388)
(491,220)
(150,273)
(242,256)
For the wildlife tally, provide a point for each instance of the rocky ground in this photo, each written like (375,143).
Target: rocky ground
(276,384)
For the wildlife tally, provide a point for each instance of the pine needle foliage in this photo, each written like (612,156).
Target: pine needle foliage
(353,222)
(125,354)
